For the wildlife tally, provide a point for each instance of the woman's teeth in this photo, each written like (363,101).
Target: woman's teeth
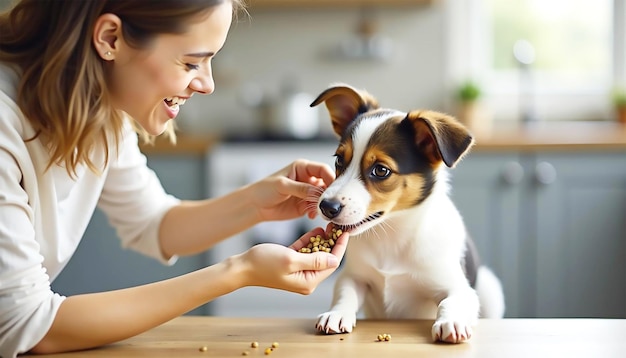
(175,101)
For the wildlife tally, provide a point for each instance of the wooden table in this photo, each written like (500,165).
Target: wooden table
(231,337)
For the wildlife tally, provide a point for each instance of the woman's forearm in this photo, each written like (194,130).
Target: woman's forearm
(193,227)
(91,320)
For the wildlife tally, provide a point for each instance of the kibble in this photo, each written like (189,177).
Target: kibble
(275,345)
(245,353)
(325,244)
(384,337)
(203,349)
(254,344)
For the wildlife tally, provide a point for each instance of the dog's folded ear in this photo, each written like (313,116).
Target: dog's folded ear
(443,137)
(344,104)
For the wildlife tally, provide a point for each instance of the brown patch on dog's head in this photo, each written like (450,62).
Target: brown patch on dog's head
(442,136)
(400,190)
(344,104)
(411,176)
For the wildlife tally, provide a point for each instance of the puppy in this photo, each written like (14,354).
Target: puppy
(409,255)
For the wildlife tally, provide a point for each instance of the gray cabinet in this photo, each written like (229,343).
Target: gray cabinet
(491,207)
(553,227)
(101,264)
(581,235)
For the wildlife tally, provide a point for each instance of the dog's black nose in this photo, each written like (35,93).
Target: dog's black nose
(330,208)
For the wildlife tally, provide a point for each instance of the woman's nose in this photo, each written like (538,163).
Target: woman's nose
(203,83)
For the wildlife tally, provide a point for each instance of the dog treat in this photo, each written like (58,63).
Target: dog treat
(384,337)
(319,243)
(254,344)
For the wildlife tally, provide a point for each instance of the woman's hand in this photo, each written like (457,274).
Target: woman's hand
(276,266)
(292,191)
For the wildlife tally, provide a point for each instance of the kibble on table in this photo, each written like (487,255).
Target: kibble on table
(384,337)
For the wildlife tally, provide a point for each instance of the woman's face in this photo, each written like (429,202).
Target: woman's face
(151,84)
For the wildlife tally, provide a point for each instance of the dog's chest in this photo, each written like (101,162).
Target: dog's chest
(389,270)
(400,279)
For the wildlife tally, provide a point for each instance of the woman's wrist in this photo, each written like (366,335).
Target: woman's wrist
(248,193)
(237,270)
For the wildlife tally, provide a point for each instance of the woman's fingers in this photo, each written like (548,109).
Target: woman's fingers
(307,169)
(304,240)
(317,261)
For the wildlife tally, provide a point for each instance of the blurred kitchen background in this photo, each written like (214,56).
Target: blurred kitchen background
(539,82)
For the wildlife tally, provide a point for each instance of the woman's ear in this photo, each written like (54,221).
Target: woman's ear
(107,33)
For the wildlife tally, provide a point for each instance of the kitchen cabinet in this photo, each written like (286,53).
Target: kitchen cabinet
(101,264)
(552,225)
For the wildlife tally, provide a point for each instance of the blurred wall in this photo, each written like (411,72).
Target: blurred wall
(269,46)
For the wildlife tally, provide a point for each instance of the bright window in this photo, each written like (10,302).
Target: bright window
(571,55)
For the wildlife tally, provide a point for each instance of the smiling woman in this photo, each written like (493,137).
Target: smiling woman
(75,78)
(144,71)
(122,65)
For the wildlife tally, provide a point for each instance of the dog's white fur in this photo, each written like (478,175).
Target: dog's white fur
(407,263)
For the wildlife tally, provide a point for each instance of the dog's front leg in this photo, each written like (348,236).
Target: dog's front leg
(456,314)
(347,299)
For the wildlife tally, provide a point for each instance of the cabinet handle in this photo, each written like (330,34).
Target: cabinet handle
(545,173)
(513,173)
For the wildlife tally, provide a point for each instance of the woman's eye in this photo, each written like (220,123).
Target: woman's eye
(191,66)
(380,171)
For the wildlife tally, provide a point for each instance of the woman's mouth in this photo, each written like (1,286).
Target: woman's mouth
(172,105)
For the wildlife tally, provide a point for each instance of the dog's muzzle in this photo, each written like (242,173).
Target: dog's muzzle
(330,208)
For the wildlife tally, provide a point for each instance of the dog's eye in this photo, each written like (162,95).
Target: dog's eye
(380,171)
(338,162)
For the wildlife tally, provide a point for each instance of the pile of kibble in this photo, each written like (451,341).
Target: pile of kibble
(319,243)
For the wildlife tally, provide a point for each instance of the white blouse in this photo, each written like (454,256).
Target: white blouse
(44,214)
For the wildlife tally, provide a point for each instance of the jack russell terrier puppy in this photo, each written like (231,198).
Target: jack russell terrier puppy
(410,255)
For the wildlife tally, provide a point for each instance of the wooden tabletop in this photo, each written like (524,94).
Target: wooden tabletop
(232,337)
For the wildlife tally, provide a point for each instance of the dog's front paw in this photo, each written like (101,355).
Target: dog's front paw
(451,331)
(336,322)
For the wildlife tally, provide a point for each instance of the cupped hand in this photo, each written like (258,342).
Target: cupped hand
(292,191)
(277,266)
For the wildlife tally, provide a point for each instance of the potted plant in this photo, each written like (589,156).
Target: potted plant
(471,111)
(618,97)
(469,92)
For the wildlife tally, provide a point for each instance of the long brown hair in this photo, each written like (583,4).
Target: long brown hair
(62,88)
